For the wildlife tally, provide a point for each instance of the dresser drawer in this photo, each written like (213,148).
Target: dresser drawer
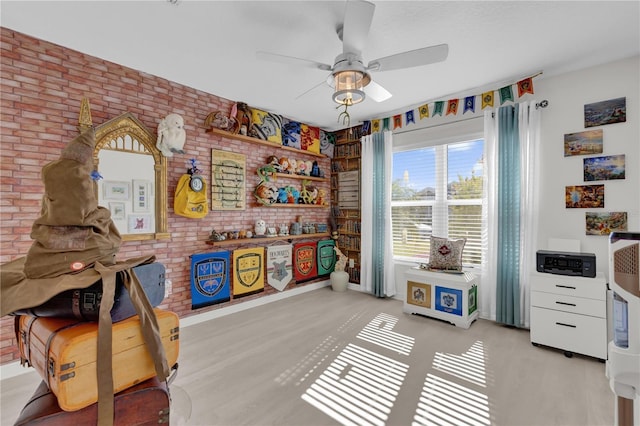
(570,332)
(575,305)
(591,288)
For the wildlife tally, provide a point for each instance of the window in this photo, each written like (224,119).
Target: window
(437,190)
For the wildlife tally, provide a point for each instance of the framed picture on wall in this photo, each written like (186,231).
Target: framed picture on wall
(605,112)
(140,195)
(609,167)
(139,223)
(115,190)
(117,210)
(604,223)
(583,143)
(584,196)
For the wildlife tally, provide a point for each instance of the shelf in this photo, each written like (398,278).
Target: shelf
(249,139)
(301,177)
(294,206)
(258,240)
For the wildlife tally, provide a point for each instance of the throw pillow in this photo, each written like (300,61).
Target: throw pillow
(446,254)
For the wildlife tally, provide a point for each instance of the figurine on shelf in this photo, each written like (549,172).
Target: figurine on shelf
(242,113)
(284,230)
(216,236)
(271,231)
(301,168)
(260,228)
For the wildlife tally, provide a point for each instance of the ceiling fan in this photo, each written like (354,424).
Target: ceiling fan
(349,77)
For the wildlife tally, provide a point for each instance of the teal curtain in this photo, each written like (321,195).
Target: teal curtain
(509,195)
(379,211)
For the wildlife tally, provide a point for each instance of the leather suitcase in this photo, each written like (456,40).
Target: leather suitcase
(64,353)
(84,304)
(146,403)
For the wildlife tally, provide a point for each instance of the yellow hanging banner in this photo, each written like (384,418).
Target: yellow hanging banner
(248,271)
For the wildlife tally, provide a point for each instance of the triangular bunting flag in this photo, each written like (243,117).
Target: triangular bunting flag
(452,106)
(397,121)
(366,127)
(506,94)
(375,126)
(438,108)
(385,124)
(424,111)
(525,86)
(487,99)
(409,118)
(469,104)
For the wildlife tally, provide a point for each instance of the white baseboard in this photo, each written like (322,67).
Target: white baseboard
(14,369)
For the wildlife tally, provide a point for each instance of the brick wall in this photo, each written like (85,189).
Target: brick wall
(41,89)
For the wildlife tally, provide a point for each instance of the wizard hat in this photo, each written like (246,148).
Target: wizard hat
(70,236)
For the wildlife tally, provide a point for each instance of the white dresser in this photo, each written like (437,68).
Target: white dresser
(570,313)
(446,296)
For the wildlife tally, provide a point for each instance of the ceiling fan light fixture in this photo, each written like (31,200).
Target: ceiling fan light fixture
(349,85)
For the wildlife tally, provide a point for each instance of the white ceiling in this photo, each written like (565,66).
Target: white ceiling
(211,45)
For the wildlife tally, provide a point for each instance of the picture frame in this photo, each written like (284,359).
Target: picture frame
(141,195)
(118,210)
(139,223)
(609,167)
(604,223)
(114,190)
(605,112)
(584,196)
(583,143)
(419,294)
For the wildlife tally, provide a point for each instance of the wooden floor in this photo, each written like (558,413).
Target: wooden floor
(327,358)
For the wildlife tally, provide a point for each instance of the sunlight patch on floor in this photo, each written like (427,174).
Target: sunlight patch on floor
(358,388)
(469,366)
(445,403)
(379,332)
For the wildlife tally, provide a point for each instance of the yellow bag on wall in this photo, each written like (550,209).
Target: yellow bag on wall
(191,197)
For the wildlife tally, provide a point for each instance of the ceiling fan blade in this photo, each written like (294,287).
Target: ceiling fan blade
(376,92)
(322,83)
(290,60)
(355,29)
(412,58)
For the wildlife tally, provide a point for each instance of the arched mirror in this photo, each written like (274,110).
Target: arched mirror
(134,178)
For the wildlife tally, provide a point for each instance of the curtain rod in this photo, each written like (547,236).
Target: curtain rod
(438,125)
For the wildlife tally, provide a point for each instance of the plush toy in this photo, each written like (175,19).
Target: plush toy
(301,167)
(282,195)
(293,165)
(171,135)
(308,165)
(294,195)
(266,193)
(273,161)
(284,164)
(315,170)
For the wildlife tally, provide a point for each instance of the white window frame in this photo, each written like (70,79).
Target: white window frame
(438,136)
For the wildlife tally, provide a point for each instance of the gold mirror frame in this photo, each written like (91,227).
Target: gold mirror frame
(107,135)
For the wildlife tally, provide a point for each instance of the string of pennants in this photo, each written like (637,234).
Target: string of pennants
(432,109)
